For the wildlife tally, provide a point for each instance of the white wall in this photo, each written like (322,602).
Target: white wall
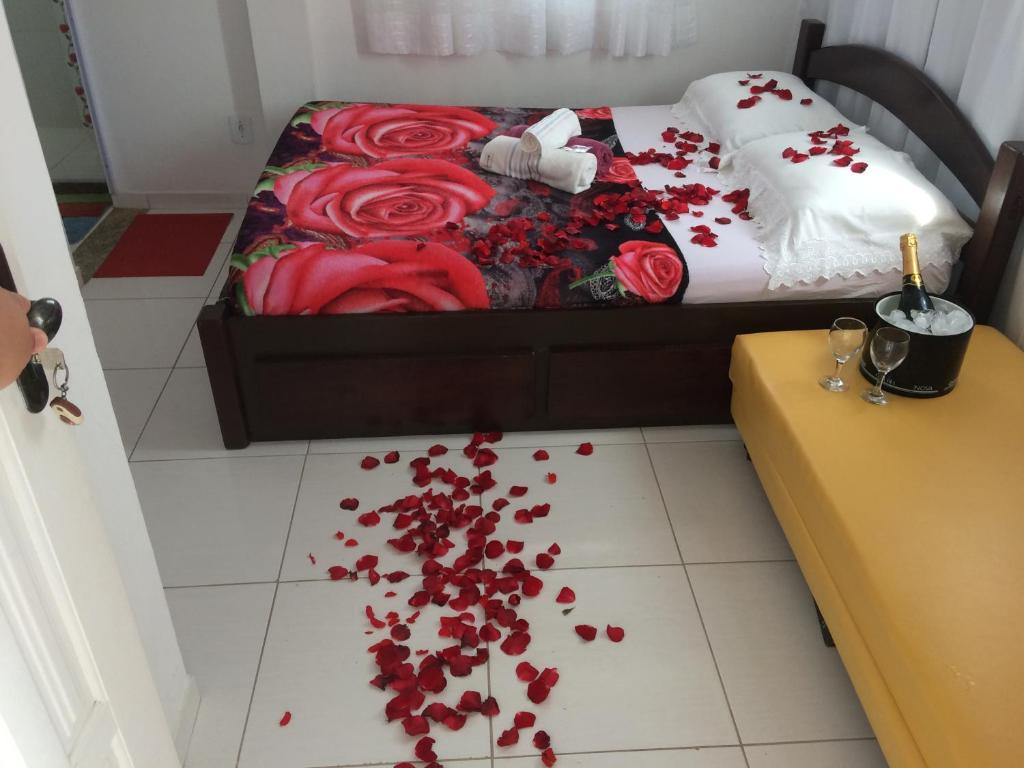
(165,76)
(42,54)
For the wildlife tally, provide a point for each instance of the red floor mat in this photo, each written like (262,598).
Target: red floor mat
(166,245)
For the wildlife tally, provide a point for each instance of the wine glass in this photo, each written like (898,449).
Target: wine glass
(889,348)
(845,338)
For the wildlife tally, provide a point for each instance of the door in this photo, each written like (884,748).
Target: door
(77,686)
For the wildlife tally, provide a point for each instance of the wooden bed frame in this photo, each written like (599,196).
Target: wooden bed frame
(287,378)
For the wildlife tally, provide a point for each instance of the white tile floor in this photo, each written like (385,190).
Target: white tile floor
(665,532)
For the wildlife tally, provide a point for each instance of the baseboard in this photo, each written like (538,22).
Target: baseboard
(187,718)
(181,201)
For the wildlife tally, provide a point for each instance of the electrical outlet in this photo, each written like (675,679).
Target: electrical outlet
(241,129)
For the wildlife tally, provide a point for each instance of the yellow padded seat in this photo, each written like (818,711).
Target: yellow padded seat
(908,524)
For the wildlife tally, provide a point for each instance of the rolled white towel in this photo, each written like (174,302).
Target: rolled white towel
(553,132)
(505,155)
(567,169)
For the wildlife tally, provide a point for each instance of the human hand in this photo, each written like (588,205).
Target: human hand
(18,340)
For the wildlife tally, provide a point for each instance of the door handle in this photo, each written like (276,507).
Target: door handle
(46,315)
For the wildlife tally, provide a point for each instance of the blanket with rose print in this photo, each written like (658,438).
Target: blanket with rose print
(384,208)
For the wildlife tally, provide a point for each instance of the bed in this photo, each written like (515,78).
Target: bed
(588,358)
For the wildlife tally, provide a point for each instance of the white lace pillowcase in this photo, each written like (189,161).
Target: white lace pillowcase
(837,205)
(736,108)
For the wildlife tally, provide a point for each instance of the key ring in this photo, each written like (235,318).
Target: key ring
(63,387)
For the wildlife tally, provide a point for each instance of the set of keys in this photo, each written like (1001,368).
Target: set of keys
(53,362)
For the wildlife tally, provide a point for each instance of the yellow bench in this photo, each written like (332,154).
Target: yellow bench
(908,524)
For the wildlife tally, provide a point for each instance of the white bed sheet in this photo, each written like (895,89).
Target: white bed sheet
(734,271)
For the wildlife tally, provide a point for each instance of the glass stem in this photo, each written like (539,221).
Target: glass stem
(839,367)
(879,383)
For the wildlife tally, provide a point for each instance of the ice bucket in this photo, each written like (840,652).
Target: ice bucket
(933,365)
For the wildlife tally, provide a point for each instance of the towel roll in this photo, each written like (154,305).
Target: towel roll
(505,155)
(570,170)
(553,132)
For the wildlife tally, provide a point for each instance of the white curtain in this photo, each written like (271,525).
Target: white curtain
(526,27)
(974,49)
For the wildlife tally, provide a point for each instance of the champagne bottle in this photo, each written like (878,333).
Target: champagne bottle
(914,296)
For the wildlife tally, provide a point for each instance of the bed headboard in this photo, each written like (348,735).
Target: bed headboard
(997,185)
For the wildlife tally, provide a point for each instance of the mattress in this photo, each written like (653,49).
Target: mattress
(385,208)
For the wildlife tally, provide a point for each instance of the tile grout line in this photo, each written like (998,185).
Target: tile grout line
(532,570)
(152,410)
(696,605)
(273,604)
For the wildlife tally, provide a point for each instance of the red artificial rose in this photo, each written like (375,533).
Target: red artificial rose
(595,113)
(385,276)
(403,129)
(651,271)
(620,172)
(412,196)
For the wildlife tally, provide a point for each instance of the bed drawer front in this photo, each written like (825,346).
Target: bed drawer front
(388,395)
(654,385)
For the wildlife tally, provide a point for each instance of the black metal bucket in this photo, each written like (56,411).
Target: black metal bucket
(932,367)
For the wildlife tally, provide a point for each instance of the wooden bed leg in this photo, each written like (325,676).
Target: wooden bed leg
(220,366)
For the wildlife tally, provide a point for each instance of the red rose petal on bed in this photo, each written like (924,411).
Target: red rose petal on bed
(513,546)
(554,549)
(437,450)
(551,478)
(349,504)
(615,634)
(859,167)
(545,561)
(526,672)
(407,765)
(784,93)
(668,136)
(285,719)
(744,83)
(416,726)
(392,457)
(400,632)
(517,491)
(748,103)
(523,516)
(843,161)
(425,749)
(339,535)
(800,157)
(500,504)
(548,757)
(337,572)
(541,455)
(508,738)
(352,543)
(369,519)
(370,462)
(494,549)
(537,691)
(585,449)
(788,152)
(806,102)
(525,719)
(366,562)
(586,631)
(723,220)
(817,151)
(541,740)
(312,558)
(715,163)
(566,596)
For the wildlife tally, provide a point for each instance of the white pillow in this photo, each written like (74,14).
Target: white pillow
(818,220)
(710,106)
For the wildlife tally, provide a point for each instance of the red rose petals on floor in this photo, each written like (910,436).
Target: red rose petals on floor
(479,596)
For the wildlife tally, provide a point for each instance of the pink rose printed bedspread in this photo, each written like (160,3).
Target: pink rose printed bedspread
(384,208)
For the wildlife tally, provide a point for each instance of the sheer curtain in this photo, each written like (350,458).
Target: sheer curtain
(526,27)
(974,49)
